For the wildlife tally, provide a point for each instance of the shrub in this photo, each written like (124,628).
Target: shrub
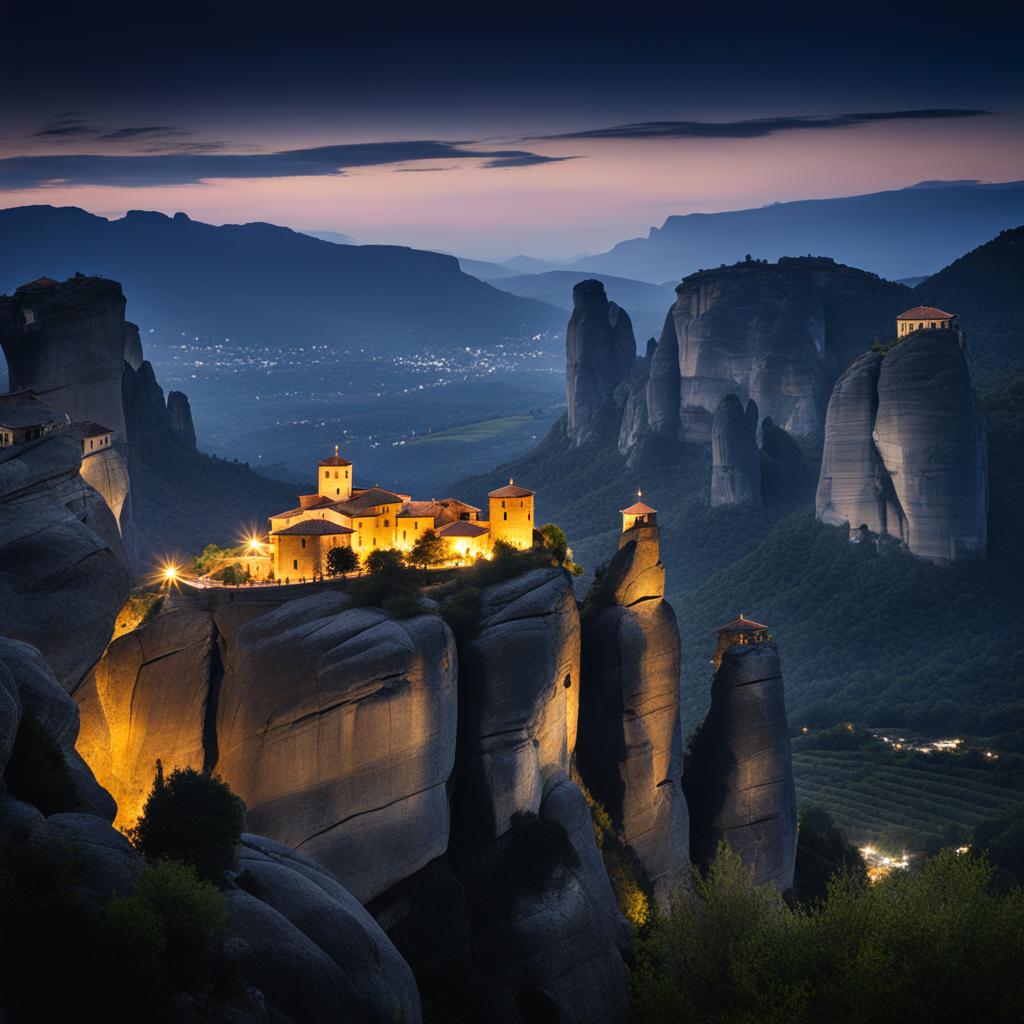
(822,852)
(403,605)
(210,554)
(232,575)
(341,561)
(461,611)
(37,771)
(192,817)
(385,562)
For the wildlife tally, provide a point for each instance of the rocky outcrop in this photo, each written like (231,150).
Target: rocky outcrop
(635,424)
(295,938)
(67,340)
(629,750)
(735,462)
(179,414)
(600,351)
(106,472)
(784,472)
(905,452)
(518,702)
(336,725)
(739,782)
(63,571)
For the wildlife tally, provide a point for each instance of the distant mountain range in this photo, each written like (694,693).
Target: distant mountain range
(899,234)
(267,284)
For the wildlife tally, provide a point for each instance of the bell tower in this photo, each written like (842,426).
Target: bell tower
(334,477)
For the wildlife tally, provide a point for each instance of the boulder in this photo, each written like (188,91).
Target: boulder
(67,339)
(337,728)
(739,781)
(600,352)
(370,979)
(931,440)
(518,702)
(63,571)
(629,749)
(735,461)
(106,472)
(108,863)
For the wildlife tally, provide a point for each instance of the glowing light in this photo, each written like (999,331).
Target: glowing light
(171,575)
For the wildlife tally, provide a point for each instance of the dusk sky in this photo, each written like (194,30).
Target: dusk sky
(493,132)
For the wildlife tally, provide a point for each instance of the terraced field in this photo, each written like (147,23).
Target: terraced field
(866,796)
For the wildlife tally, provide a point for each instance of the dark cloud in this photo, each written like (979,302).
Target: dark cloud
(189,168)
(128,134)
(758,127)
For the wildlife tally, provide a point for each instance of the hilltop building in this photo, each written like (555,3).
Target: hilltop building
(926,318)
(95,438)
(24,417)
(638,514)
(740,632)
(365,519)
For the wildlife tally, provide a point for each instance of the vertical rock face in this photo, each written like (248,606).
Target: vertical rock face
(132,345)
(107,473)
(932,442)
(739,782)
(63,571)
(179,413)
(735,461)
(68,340)
(635,424)
(518,702)
(905,451)
(629,750)
(756,331)
(663,382)
(600,351)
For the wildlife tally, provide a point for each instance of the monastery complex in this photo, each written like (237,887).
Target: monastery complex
(366,519)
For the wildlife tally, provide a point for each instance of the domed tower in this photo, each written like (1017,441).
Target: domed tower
(511,515)
(334,477)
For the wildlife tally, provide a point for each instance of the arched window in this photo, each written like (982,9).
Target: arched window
(295,563)
(303,539)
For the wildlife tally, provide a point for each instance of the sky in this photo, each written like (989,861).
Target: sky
(492,131)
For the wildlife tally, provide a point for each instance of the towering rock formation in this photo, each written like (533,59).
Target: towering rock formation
(905,451)
(63,571)
(67,341)
(518,702)
(336,725)
(735,461)
(635,424)
(132,345)
(739,782)
(600,351)
(179,413)
(629,751)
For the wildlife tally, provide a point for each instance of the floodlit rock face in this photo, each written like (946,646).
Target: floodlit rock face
(735,461)
(106,472)
(629,750)
(905,451)
(179,413)
(68,340)
(63,571)
(518,702)
(335,725)
(739,782)
(337,728)
(600,352)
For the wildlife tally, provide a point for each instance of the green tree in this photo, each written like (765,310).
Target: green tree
(232,575)
(385,562)
(192,817)
(341,561)
(428,550)
(210,554)
(555,541)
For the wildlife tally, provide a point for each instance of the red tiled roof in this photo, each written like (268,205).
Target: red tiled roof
(334,460)
(926,313)
(462,528)
(741,625)
(420,510)
(638,508)
(312,528)
(512,490)
(289,514)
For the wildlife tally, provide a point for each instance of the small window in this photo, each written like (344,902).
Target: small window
(303,540)
(504,515)
(374,541)
(403,536)
(386,522)
(346,474)
(327,474)
(295,563)
(337,490)
(503,504)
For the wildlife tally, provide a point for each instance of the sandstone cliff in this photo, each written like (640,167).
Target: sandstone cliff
(335,725)
(629,750)
(735,461)
(600,351)
(905,452)
(739,782)
(63,571)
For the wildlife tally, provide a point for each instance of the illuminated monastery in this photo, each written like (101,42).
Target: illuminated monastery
(369,518)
